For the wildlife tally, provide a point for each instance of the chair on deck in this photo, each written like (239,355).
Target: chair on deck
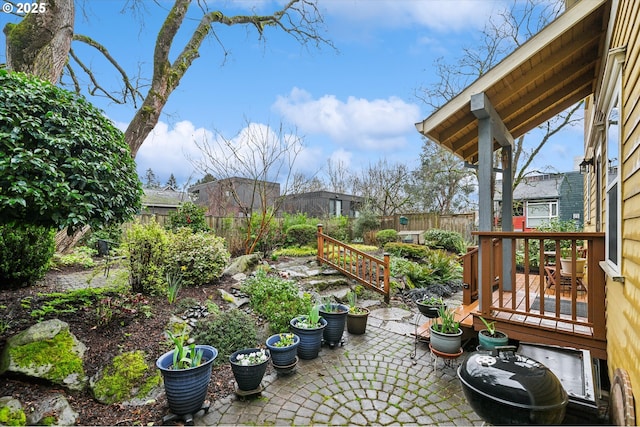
(565,278)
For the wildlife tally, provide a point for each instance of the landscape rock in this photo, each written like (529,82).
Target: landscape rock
(129,377)
(242,264)
(54,410)
(236,301)
(46,350)
(11,412)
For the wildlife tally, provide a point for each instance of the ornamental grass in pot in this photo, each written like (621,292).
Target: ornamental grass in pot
(186,371)
(336,316)
(309,328)
(490,338)
(357,316)
(445,332)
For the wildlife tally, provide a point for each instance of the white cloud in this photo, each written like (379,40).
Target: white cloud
(379,124)
(439,15)
(167,150)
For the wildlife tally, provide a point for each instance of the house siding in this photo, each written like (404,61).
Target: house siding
(571,198)
(623,299)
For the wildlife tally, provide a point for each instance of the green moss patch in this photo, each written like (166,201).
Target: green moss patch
(57,353)
(128,376)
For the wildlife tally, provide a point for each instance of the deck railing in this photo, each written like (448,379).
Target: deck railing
(360,266)
(570,304)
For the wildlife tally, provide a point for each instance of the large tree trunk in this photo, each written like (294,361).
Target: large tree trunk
(40,43)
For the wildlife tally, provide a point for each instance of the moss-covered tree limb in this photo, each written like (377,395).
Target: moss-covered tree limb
(299,18)
(40,43)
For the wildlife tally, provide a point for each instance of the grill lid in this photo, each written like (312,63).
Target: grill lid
(512,378)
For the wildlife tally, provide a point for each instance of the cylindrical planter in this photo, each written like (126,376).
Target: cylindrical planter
(186,389)
(445,343)
(310,339)
(357,323)
(335,323)
(487,342)
(282,356)
(248,377)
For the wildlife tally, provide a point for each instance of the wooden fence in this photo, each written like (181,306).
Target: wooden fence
(228,227)
(464,224)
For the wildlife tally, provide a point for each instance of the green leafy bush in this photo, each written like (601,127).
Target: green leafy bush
(386,236)
(338,228)
(451,241)
(25,253)
(200,257)
(407,250)
(228,331)
(553,226)
(146,249)
(437,267)
(367,221)
(302,235)
(188,215)
(271,237)
(276,299)
(64,162)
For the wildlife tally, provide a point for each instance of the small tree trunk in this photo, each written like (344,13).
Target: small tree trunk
(65,243)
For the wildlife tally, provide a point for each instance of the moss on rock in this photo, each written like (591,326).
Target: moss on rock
(128,376)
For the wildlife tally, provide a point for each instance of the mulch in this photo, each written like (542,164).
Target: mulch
(103,343)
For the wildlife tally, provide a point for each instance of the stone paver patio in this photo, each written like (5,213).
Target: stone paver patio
(371,380)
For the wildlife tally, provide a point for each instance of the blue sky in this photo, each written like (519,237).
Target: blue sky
(356,104)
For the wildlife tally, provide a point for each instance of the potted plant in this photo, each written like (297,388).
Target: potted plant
(491,338)
(248,366)
(429,306)
(309,328)
(186,371)
(283,349)
(357,316)
(446,335)
(336,316)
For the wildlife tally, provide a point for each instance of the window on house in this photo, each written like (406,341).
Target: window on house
(613,178)
(335,207)
(539,213)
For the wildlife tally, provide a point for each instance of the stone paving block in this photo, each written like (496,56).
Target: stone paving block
(338,419)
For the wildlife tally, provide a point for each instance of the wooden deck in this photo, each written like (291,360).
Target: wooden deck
(556,319)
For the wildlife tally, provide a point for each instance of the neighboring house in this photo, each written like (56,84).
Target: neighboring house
(235,196)
(540,198)
(162,201)
(591,52)
(322,204)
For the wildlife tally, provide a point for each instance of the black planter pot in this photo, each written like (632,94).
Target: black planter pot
(248,378)
(186,389)
(310,339)
(282,356)
(336,321)
(357,323)
(429,310)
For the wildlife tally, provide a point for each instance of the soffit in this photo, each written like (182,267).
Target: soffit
(549,73)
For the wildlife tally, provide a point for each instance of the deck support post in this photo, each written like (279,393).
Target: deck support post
(490,128)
